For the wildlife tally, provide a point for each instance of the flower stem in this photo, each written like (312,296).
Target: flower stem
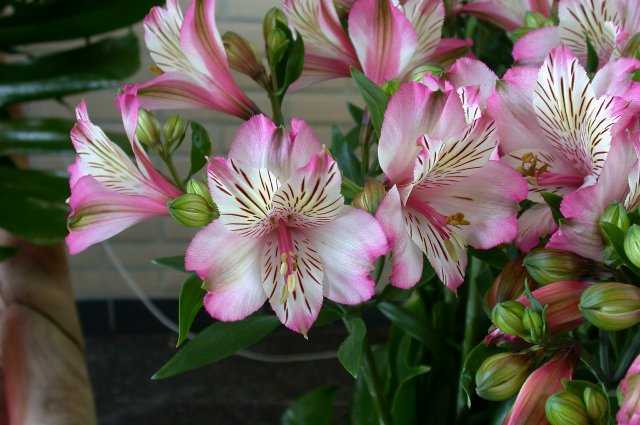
(375,386)
(276,108)
(172,170)
(631,351)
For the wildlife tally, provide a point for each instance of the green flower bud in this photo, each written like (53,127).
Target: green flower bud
(370,197)
(242,57)
(148,129)
(276,35)
(419,73)
(197,187)
(535,20)
(553,265)
(566,408)
(272,18)
(191,210)
(616,215)
(596,404)
(535,325)
(173,131)
(611,306)
(500,376)
(507,316)
(632,245)
(508,285)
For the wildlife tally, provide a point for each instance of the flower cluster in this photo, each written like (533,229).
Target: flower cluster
(543,159)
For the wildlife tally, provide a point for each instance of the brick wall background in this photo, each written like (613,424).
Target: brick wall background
(94,277)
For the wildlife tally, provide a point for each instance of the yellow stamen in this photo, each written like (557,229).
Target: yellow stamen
(457,219)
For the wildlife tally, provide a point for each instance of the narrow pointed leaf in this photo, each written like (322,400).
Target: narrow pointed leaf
(375,98)
(313,408)
(175,263)
(351,350)
(200,147)
(191,296)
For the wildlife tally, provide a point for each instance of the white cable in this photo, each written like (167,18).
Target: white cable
(171,325)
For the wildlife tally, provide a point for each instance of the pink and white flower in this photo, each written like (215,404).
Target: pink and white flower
(608,25)
(189,53)
(508,14)
(109,193)
(446,192)
(555,130)
(386,39)
(629,396)
(619,182)
(284,234)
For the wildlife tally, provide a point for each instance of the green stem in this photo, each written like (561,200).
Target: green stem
(630,352)
(375,386)
(366,132)
(605,362)
(276,108)
(172,170)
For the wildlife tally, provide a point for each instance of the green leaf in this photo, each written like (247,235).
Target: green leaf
(94,67)
(200,147)
(34,184)
(404,320)
(218,341)
(35,135)
(344,156)
(329,314)
(72,19)
(356,113)
(349,189)
(313,408)
(294,65)
(7,252)
(553,201)
(495,257)
(471,365)
(175,263)
(351,350)
(592,58)
(191,296)
(404,397)
(375,98)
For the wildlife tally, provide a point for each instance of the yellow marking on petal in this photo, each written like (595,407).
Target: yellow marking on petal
(451,250)
(531,165)
(292,282)
(457,219)
(155,70)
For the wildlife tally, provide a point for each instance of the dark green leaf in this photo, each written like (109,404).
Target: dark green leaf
(33,184)
(72,19)
(495,257)
(592,58)
(34,135)
(553,201)
(356,113)
(36,220)
(218,341)
(404,320)
(294,65)
(352,348)
(200,147)
(175,263)
(403,404)
(7,252)
(471,364)
(344,156)
(94,67)
(191,296)
(375,98)
(329,314)
(349,189)
(313,408)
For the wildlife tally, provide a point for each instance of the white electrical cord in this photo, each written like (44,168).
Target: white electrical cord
(171,325)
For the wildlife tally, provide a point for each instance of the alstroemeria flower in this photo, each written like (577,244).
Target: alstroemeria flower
(629,396)
(545,381)
(508,14)
(607,24)
(386,39)
(284,234)
(194,69)
(110,193)
(619,182)
(446,192)
(555,130)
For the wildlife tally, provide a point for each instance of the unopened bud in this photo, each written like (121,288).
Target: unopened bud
(508,285)
(197,187)
(420,72)
(616,215)
(501,376)
(596,404)
(191,210)
(370,197)
(534,325)
(632,245)
(535,20)
(173,131)
(611,306)
(507,316)
(242,57)
(553,265)
(148,129)
(565,408)
(274,29)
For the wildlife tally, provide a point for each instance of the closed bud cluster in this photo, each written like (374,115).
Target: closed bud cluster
(242,57)
(507,316)
(192,210)
(632,245)
(508,285)
(534,325)
(501,376)
(148,129)
(173,131)
(616,215)
(565,408)
(370,197)
(552,265)
(275,34)
(611,306)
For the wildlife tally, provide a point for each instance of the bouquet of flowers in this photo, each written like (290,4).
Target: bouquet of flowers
(485,200)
